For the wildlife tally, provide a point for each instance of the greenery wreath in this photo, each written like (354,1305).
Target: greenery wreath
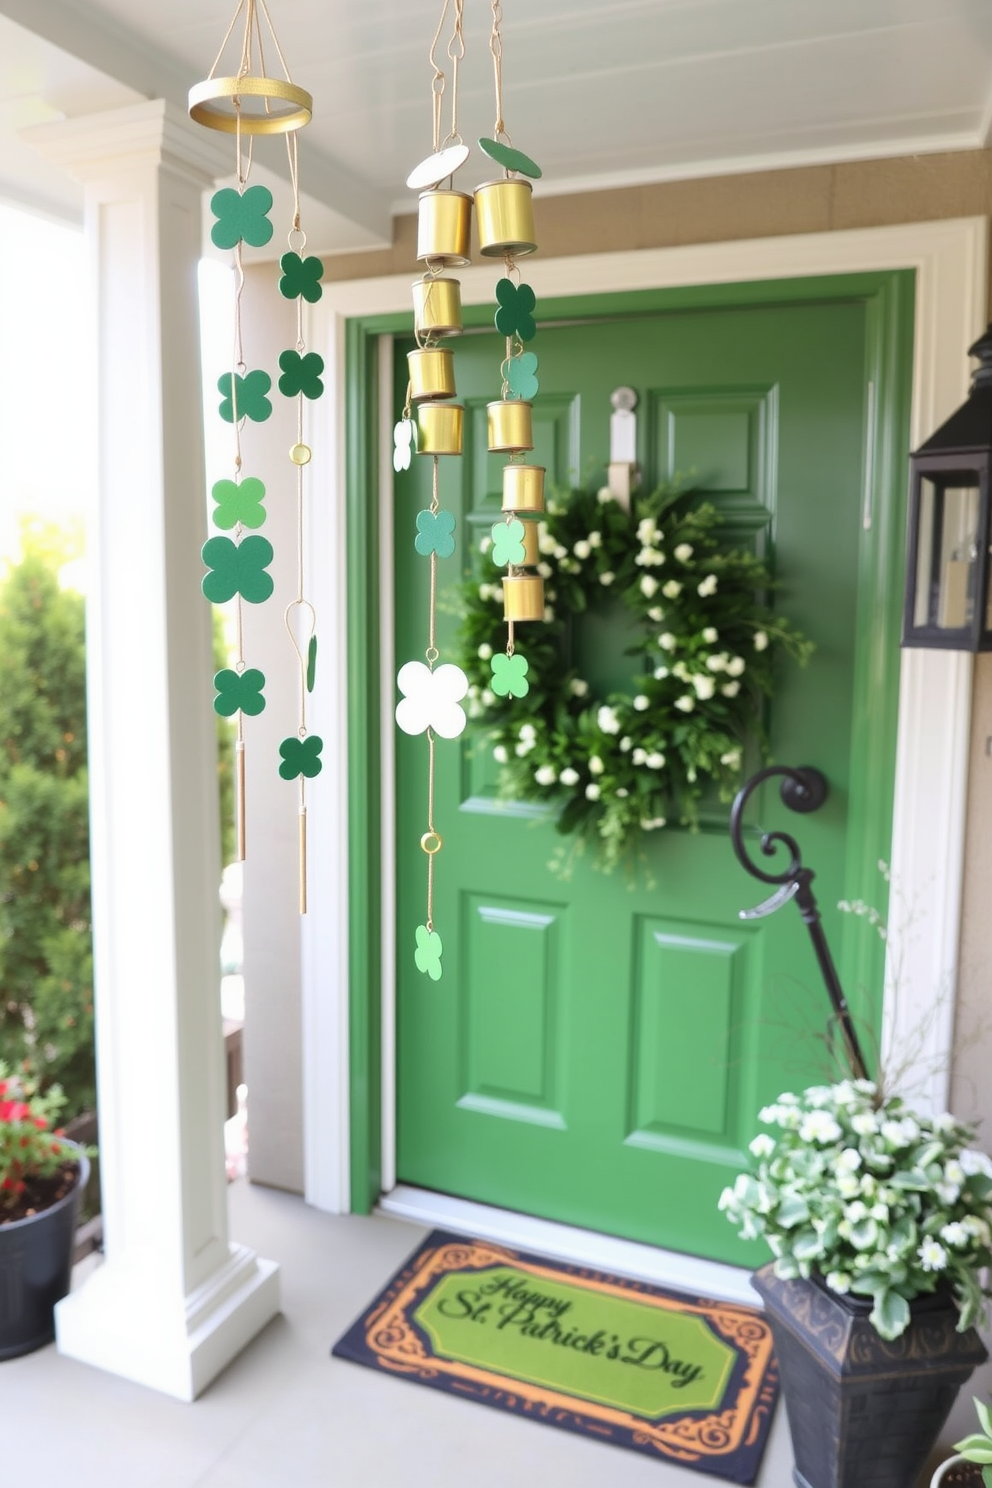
(620,766)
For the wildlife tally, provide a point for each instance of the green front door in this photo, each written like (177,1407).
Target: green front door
(597,1049)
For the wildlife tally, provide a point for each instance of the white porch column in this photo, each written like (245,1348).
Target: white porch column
(175,1300)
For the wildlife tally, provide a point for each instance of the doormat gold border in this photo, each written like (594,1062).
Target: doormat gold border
(728,1442)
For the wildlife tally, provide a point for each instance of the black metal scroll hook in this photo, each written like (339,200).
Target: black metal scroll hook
(803,790)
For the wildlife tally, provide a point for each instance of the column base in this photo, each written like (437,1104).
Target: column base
(120,1321)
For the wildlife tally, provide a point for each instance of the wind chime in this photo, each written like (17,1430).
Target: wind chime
(247,104)
(432,693)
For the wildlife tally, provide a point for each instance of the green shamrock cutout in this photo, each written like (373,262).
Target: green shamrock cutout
(241,216)
(508,543)
(238,503)
(435,533)
(301,276)
(301,757)
(516,306)
(239,690)
(311,663)
(428,953)
(250,395)
(301,374)
(510,675)
(238,568)
(521,376)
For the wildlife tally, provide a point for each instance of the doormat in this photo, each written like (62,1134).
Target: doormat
(677,1377)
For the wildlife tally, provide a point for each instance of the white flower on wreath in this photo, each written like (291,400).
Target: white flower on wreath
(760,640)
(577,687)
(671,589)
(647,531)
(684,552)
(545,542)
(595,539)
(639,756)
(685,704)
(606,579)
(546,775)
(660,672)
(655,760)
(625,743)
(622,792)
(569,776)
(596,766)
(717,662)
(607,719)
(559,552)
(592,791)
(650,558)
(549,614)
(651,823)
(657,614)
(705,687)
(581,549)
(667,642)
(710,635)
(736,666)
(545,570)
(485,651)
(707,587)
(730,689)
(500,754)
(604,496)
(649,586)
(731,759)
(642,703)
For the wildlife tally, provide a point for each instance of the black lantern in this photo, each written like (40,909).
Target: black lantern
(947,569)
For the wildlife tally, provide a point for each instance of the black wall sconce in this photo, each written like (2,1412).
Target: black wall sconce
(947,568)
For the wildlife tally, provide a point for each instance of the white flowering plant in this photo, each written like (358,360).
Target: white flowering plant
(853,1188)
(706,642)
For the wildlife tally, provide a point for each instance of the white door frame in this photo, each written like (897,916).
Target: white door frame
(950,260)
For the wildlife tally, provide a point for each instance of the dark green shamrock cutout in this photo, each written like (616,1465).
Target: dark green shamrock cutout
(301,276)
(508,542)
(238,502)
(301,374)
(241,216)
(239,690)
(301,757)
(311,663)
(428,953)
(249,393)
(238,568)
(515,316)
(521,376)
(435,533)
(510,675)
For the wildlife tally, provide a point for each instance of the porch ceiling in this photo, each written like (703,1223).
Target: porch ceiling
(600,93)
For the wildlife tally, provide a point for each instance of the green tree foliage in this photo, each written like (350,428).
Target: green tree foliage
(46,962)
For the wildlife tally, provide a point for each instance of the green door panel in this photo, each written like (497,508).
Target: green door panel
(598,1047)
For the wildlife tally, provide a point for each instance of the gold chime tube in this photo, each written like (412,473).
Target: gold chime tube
(532,554)
(432,373)
(510,426)
(440,428)
(523,488)
(437,307)
(504,212)
(443,227)
(523,597)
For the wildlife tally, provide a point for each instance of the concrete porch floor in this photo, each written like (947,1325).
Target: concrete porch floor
(286,1415)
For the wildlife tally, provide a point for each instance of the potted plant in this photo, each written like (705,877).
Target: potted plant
(880,1223)
(42,1178)
(972,1466)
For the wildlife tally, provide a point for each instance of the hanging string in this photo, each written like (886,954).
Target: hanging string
(456,51)
(496,49)
(437,81)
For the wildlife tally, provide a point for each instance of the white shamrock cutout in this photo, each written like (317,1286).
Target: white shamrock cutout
(431,699)
(403,441)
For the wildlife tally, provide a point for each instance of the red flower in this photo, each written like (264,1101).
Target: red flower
(14,1110)
(41,1122)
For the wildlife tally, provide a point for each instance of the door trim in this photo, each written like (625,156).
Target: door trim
(349,1146)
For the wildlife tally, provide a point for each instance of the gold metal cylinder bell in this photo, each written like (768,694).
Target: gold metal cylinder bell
(523,597)
(504,212)
(437,307)
(432,373)
(523,488)
(441,426)
(443,227)
(511,426)
(532,553)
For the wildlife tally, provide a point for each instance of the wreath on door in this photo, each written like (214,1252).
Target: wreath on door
(617,767)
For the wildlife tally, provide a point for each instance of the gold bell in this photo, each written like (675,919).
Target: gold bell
(510,426)
(523,597)
(523,488)
(437,307)
(443,227)
(440,428)
(504,212)
(432,373)
(532,553)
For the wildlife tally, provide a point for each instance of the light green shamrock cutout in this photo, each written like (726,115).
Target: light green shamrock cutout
(510,675)
(435,534)
(428,952)
(241,215)
(238,502)
(508,543)
(521,375)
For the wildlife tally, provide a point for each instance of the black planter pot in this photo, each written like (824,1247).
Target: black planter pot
(863,1413)
(35,1263)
